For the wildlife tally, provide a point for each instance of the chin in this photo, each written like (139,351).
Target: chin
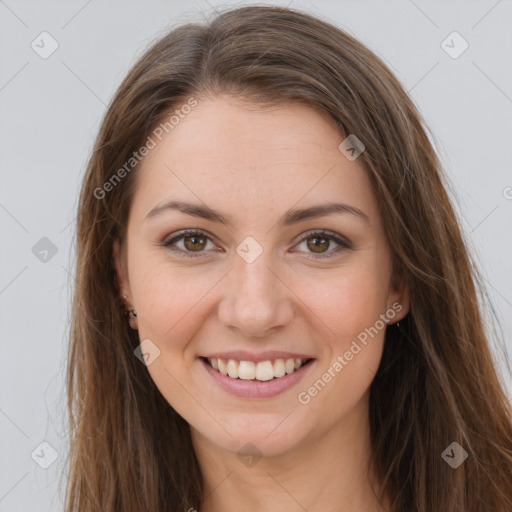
(267,436)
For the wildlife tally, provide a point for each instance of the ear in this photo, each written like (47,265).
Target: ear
(121,273)
(123,284)
(398,297)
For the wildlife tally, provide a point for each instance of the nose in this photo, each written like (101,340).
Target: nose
(256,300)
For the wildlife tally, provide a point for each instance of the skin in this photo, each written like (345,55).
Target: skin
(254,164)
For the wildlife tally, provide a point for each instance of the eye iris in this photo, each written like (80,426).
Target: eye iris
(194,246)
(315,246)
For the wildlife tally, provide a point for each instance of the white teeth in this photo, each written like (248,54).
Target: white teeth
(249,370)
(289,366)
(246,370)
(232,369)
(223,367)
(264,370)
(279,368)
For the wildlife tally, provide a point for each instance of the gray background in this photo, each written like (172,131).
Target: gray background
(51,110)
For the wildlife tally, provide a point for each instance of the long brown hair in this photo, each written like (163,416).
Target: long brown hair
(436,384)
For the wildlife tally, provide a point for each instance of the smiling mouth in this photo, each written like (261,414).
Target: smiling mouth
(261,371)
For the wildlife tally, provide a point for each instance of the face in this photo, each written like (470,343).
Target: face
(294,304)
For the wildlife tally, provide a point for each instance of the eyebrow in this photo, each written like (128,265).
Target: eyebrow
(292,216)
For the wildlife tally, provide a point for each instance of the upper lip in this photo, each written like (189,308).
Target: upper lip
(243,355)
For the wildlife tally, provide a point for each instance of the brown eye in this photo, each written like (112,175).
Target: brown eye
(188,243)
(319,244)
(194,242)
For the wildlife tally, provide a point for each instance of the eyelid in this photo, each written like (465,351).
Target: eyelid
(179,235)
(343,242)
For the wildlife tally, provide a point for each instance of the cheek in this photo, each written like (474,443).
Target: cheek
(170,303)
(352,308)
(353,301)
(343,378)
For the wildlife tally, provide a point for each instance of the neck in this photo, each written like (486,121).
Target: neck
(329,472)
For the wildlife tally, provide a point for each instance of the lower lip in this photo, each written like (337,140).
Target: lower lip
(255,388)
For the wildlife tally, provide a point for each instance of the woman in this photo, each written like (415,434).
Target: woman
(302,328)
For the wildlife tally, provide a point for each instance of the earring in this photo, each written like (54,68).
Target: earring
(131,313)
(132,318)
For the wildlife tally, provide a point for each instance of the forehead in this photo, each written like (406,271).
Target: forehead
(229,153)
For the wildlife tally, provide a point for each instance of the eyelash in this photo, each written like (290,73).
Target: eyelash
(329,235)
